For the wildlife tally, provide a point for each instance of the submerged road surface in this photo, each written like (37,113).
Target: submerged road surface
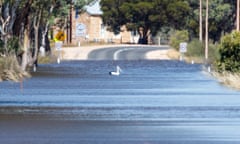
(151,102)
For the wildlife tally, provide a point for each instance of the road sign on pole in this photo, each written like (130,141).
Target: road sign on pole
(182,49)
(58,45)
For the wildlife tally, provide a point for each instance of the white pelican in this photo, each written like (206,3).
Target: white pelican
(117,72)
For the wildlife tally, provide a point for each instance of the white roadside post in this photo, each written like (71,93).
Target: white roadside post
(182,50)
(58,47)
(159,40)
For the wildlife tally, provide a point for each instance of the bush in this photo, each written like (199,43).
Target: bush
(213,53)
(178,37)
(195,49)
(229,50)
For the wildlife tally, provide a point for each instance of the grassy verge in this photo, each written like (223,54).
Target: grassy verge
(173,54)
(50,58)
(231,80)
(228,79)
(10,69)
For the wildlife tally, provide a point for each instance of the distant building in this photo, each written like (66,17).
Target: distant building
(88,26)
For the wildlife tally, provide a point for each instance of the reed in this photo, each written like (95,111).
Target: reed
(229,79)
(10,69)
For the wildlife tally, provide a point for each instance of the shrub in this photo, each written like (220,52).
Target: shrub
(195,49)
(178,37)
(213,53)
(229,50)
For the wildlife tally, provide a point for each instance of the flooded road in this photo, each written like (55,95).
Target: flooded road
(151,102)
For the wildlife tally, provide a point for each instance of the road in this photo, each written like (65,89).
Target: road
(124,53)
(151,102)
(109,52)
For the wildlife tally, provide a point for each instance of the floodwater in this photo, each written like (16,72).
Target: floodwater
(149,102)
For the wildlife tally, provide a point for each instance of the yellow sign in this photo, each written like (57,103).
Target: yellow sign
(60,36)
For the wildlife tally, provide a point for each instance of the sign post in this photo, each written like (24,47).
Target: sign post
(80,31)
(58,47)
(182,49)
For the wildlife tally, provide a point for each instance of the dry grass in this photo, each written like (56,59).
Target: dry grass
(173,54)
(189,59)
(229,79)
(10,69)
(47,59)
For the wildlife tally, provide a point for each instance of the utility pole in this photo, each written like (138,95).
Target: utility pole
(238,13)
(200,21)
(206,32)
(70,23)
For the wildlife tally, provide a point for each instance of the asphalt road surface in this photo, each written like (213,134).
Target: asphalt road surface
(124,53)
(150,102)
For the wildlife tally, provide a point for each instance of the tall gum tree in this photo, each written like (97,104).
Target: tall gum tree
(29,21)
(222,15)
(7,19)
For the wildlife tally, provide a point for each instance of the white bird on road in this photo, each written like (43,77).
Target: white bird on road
(117,72)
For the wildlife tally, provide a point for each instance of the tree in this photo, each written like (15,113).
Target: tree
(238,17)
(7,19)
(29,21)
(230,53)
(200,21)
(144,16)
(222,16)
(206,31)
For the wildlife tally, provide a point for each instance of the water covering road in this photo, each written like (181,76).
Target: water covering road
(151,102)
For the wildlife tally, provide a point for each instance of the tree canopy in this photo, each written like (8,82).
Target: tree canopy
(144,16)
(221,18)
(152,15)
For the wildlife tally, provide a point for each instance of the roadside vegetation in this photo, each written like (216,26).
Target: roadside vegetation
(224,57)
(25,31)
(10,69)
(9,66)
(228,65)
(195,48)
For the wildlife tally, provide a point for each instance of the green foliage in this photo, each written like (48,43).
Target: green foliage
(148,14)
(13,45)
(213,52)
(195,49)
(178,37)
(1,47)
(221,17)
(230,53)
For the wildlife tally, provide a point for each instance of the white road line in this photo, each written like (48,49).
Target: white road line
(115,55)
